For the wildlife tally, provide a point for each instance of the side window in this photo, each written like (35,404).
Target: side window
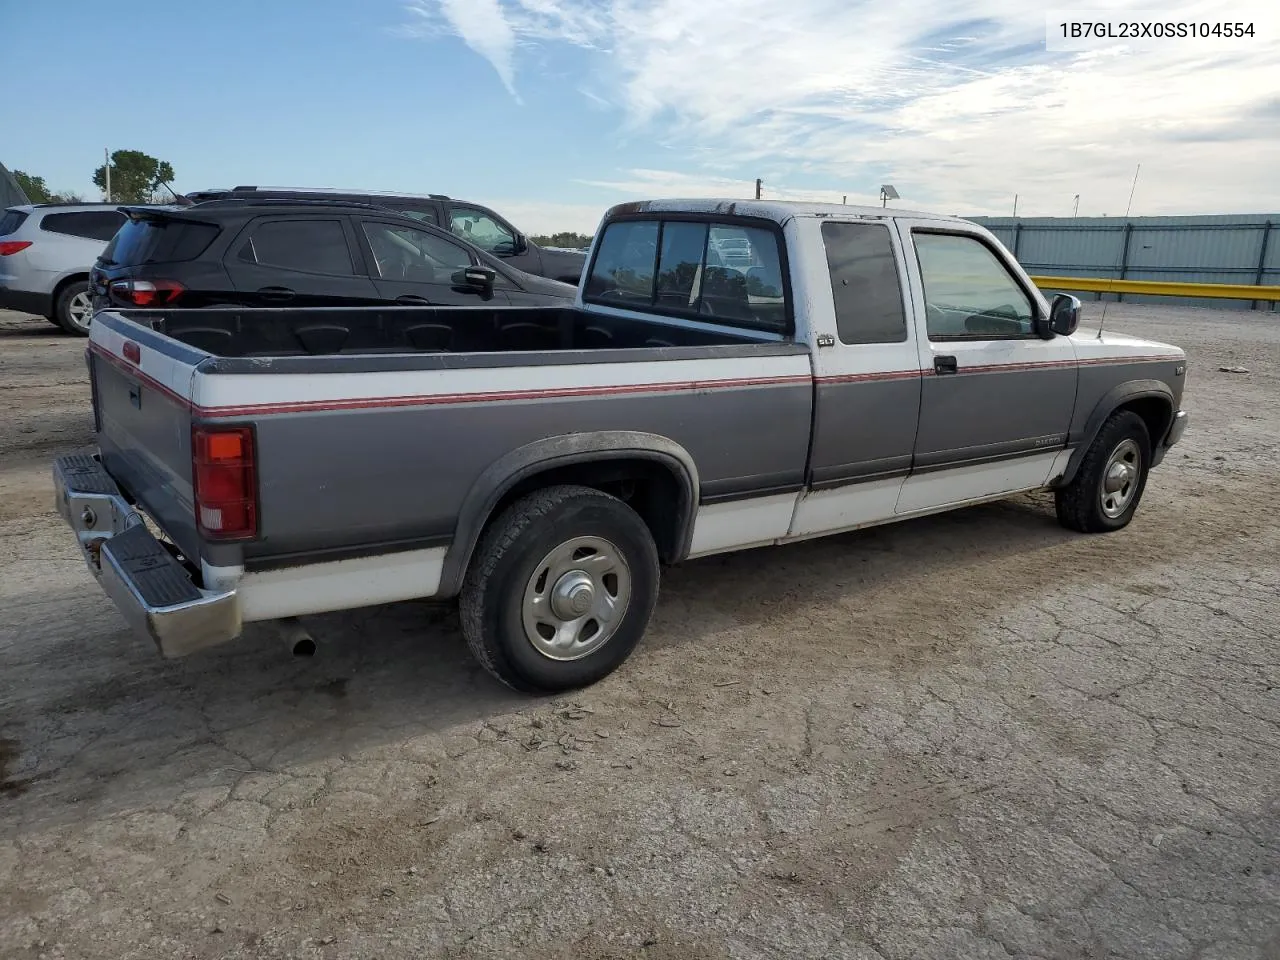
(402,253)
(968,292)
(308,246)
(713,271)
(90,225)
(482,230)
(865,285)
(424,214)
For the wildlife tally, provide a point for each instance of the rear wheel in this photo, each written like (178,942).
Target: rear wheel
(73,310)
(1106,490)
(560,590)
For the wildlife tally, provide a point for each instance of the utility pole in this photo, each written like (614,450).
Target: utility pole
(1075,210)
(845,200)
(106,155)
(1015,204)
(759,185)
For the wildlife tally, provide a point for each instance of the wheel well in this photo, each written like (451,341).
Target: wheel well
(1154,411)
(650,488)
(64,283)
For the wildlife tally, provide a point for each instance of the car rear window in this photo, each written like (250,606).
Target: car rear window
(158,241)
(88,224)
(10,221)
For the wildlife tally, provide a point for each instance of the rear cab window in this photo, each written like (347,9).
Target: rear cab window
(157,241)
(715,271)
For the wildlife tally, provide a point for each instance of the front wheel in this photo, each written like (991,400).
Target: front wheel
(1105,492)
(560,590)
(74,308)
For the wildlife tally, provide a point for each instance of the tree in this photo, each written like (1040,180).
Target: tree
(135,176)
(568,240)
(33,187)
(37,190)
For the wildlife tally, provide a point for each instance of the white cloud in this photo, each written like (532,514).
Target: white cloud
(954,101)
(481,24)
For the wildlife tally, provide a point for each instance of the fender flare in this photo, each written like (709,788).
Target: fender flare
(1112,400)
(566,450)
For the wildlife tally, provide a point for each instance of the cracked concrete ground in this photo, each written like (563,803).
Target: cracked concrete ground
(971,736)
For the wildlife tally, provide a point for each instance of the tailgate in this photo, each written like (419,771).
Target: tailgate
(141,393)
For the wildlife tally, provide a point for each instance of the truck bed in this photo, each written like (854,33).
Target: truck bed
(373,426)
(322,331)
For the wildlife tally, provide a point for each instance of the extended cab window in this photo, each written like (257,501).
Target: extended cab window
(865,285)
(308,246)
(968,293)
(711,271)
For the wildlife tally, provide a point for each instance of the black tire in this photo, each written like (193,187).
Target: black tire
(1081,503)
(503,571)
(62,308)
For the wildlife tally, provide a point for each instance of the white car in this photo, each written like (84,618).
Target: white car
(46,251)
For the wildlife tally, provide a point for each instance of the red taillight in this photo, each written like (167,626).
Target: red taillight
(10,247)
(225,482)
(145,293)
(132,352)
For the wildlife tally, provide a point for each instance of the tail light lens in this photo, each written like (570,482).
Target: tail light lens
(225,480)
(145,293)
(10,247)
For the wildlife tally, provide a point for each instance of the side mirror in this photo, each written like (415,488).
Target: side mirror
(477,278)
(1064,314)
(521,244)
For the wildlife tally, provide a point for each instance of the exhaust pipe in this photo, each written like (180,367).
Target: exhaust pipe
(297,637)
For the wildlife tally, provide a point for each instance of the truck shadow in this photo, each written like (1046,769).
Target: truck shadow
(97,723)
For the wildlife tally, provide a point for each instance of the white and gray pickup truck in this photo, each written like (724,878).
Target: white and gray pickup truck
(847,367)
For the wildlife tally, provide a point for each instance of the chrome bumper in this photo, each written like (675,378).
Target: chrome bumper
(149,586)
(1177,428)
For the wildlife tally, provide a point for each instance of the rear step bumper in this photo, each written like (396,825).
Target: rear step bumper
(149,586)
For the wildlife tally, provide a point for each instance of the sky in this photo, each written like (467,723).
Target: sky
(550,111)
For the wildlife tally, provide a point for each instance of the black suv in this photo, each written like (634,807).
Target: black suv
(264,253)
(472,222)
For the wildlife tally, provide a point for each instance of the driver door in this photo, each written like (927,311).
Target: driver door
(996,400)
(414,267)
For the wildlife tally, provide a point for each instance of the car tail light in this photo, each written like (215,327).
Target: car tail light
(10,247)
(145,293)
(225,480)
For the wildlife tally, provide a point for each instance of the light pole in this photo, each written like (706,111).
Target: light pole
(1075,209)
(106,156)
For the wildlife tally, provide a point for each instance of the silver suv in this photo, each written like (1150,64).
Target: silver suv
(46,250)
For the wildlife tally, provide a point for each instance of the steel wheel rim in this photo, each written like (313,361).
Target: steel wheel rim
(1120,479)
(576,598)
(80,309)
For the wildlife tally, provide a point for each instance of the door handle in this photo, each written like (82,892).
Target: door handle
(276,294)
(944,365)
(409,300)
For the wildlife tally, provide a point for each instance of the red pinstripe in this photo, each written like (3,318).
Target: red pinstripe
(555,393)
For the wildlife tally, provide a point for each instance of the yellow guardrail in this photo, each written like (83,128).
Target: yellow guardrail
(1161,288)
